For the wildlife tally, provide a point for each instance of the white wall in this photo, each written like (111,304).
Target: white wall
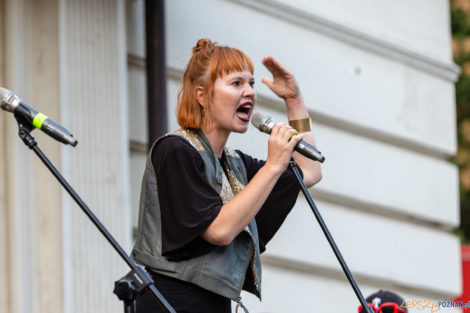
(3,229)
(94,102)
(68,60)
(31,200)
(377,77)
(378,81)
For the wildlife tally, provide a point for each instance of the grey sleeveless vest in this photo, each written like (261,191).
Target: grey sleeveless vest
(225,270)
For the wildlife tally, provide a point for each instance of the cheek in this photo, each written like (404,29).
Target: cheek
(227,97)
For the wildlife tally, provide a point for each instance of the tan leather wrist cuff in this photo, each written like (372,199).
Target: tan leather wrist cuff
(302,126)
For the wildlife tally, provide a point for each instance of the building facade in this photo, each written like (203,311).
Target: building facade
(377,77)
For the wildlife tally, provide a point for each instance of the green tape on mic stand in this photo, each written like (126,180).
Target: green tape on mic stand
(39,119)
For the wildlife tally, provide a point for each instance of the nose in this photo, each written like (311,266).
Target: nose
(249,92)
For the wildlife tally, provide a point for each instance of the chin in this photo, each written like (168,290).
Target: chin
(240,130)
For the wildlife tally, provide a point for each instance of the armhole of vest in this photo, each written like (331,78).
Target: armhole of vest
(178,136)
(154,146)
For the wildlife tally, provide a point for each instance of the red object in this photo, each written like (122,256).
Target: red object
(465,297)
(386,305)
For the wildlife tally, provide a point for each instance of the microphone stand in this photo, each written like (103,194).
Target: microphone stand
(137,280)
(308,197)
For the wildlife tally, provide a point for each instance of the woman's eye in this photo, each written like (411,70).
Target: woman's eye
(236,83)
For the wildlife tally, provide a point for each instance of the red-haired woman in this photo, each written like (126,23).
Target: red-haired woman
(207,211)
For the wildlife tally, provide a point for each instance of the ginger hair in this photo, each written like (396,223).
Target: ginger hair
(208,62)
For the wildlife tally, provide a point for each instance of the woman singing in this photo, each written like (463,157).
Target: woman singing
(207,211)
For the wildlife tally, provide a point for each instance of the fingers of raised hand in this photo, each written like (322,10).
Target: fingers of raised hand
(275,67)
(271,63)
(268,82)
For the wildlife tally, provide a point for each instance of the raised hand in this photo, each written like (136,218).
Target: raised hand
(283,84)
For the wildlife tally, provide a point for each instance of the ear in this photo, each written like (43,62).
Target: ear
(200,96)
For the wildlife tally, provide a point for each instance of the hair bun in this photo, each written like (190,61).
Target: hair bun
(201,44)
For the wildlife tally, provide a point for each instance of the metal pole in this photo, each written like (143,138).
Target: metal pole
(321,222)
(156,69)
(138,273)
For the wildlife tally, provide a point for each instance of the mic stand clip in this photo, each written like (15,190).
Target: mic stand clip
(131,285)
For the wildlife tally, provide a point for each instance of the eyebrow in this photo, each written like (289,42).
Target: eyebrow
(242,78)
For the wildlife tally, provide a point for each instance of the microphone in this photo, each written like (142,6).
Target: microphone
(12,103)
(266,124)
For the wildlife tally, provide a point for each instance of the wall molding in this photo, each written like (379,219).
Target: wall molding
(136,61)
(378,209)
(362,279)
(351,36)
(138,147)
(361,130)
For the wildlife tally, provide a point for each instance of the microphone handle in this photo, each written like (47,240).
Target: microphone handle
(302,147)
(26,111)
(44,123)
(309,151)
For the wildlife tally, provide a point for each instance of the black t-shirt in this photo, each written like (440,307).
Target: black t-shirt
(189,204)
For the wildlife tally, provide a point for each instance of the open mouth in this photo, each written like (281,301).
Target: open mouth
(244,111)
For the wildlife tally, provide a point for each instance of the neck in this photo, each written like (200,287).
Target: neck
(217,138)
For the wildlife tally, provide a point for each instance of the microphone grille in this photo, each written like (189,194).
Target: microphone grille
(257,119)
(4,92)
(7,100)
(4,95)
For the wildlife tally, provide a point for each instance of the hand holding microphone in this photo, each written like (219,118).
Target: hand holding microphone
(266,124)
(281,144)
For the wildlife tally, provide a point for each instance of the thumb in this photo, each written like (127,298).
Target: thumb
(267,82)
